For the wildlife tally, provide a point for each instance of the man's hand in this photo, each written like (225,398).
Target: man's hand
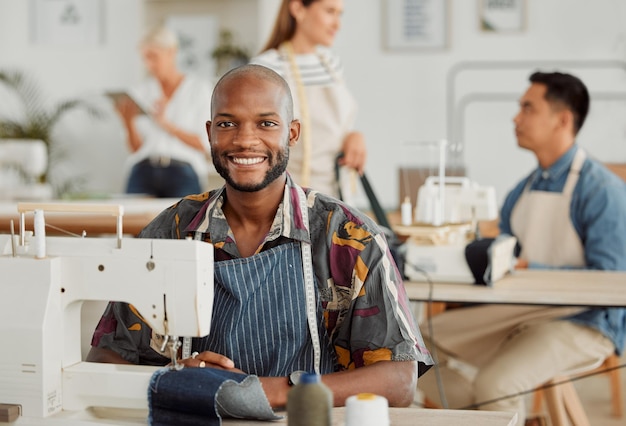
(521,263)
(210,359)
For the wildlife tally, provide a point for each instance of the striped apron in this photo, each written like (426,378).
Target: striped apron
(267,314)
(260,315)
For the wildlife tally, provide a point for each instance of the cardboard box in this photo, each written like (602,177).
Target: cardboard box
(9,412)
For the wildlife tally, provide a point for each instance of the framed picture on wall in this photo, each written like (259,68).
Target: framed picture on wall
(502,15)
(66,23)
(416,24)
(197,37)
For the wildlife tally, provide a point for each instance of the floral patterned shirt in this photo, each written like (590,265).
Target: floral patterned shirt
(365,307)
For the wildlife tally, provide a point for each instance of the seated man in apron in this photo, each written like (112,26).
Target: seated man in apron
(277,248)
(570,213)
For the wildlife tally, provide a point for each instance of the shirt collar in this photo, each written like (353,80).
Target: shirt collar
(559,168)
(288,221)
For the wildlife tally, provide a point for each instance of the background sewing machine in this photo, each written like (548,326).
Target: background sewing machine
(170,282)
(446,220)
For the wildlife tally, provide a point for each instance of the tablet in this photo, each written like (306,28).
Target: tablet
(117,96)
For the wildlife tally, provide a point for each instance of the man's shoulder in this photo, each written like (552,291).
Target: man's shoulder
(192,203)
(595,170)
(175,217)
(324,205)
(516,191)
(599,189)
(596,179)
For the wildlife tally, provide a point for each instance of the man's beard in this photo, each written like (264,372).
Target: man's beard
(282,158)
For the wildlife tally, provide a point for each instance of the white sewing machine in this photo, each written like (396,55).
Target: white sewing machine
(446,220)
(170,282)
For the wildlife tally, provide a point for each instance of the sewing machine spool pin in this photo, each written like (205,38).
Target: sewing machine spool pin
(112,209)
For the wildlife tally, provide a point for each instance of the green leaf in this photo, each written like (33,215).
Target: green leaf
(38,121)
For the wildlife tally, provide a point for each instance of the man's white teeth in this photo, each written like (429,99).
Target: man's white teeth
(247,161)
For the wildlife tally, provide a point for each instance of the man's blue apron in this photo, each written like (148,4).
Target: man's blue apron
(260,317)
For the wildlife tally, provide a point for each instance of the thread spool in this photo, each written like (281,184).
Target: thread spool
(40,234)
(367,409)
(310,402)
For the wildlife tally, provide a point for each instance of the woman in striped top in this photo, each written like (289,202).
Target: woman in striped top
(298,49)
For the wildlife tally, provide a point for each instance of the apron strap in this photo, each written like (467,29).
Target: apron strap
(574,171)
(572,177)
(309,284)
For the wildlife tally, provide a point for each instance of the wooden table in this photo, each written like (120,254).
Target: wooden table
(398,417)
(415,416)
(535,287)
(138,212)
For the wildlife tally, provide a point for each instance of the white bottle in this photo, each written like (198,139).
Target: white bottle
(406,211)
(40,234)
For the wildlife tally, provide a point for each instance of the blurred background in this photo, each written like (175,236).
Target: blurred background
(460,81)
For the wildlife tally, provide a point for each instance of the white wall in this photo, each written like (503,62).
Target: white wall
(402,95)
(93,150)
(241,16)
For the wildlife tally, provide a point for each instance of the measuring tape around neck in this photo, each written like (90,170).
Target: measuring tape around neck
(309,285)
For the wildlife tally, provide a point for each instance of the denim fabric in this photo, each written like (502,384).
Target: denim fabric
(598,213)
(176,180)
(245,400)
(186,397)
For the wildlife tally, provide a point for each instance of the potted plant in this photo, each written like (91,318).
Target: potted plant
(33,123)
(227,54)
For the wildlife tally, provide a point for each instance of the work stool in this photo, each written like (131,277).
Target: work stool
(562,399)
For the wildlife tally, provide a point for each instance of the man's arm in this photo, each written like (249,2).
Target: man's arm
(123,337)
(507,208)
(600,211)
(395,380)
(105,356)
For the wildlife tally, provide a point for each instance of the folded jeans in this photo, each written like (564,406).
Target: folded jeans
(200,396)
